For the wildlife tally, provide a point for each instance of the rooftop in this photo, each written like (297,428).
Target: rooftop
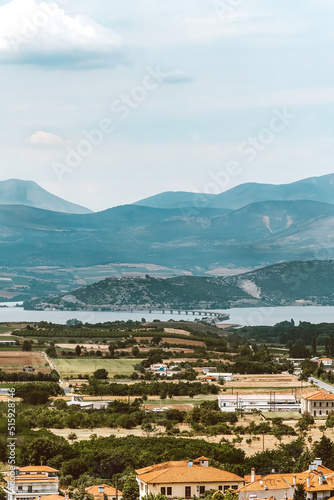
(319,396)
(37,468)
(108,490)
(180,472)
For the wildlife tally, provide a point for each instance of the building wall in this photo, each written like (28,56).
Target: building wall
(178,489)
(319,408)
(38,488)
(278,494)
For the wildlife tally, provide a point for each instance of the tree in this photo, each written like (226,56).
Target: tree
(305,422)
(111,349)
(81,494)
(218,495)
(314,346)
(330,419)
(299,493)
(130,488)
(78,350)
(135,351)
(51,352)
(60,404)
(100,373)
(299,351)
(324,449)
(26,346)
(156,339)
(151,496)
(229,495)
(72,436)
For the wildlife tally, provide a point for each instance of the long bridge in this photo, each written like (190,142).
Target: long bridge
(187,312)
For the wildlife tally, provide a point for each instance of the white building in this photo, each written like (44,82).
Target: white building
(318,484)
(318,404)
(185,479)
(261,402)
(27,483)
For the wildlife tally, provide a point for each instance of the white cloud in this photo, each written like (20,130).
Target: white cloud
(41,138)
(42,33)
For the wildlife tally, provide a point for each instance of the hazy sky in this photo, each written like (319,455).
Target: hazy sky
(107,102)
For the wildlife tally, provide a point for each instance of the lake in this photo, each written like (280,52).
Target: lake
(250,316)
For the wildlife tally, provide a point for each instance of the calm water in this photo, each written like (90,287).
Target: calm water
(246,316)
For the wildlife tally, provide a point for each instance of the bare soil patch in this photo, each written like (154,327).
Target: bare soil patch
(177,331)
(13,361)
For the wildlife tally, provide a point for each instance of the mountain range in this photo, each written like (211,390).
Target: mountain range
(312,189)
(292,283)
(204,240)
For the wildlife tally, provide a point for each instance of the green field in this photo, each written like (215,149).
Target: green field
(84,365)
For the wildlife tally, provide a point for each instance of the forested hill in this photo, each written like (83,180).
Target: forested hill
(310,282)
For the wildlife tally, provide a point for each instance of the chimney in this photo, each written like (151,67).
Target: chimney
(67,495)
(308,482)
(294,479)
(321,481)
(252,475)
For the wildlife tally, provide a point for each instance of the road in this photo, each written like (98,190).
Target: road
(322,384)
(53,367)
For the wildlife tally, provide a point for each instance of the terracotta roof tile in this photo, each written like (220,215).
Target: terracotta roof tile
(190,475)
(319,395)
(108,490)
(37,468)
(50,497)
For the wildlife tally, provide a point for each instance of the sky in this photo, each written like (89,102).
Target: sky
(105,103)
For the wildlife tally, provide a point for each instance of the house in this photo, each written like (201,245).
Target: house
(27,483)
(261,402)
(295,361)
(8,342)
(158,367)
(318,484)
(185,479)
(318,404)
(227,377)
(88,405)
(327,363)
(252,477)
(98,492)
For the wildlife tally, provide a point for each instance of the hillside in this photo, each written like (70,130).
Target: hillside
(30,194)
(256,235)
(311,189)
(144,293)
(282,284)
(288,282)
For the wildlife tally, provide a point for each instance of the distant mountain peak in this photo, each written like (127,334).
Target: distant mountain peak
(30,194)
(319,189)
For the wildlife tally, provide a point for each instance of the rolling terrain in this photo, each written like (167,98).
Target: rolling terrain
(46,252)
(288,283)
(312,189)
